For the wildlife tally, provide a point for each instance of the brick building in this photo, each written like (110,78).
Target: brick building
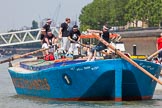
(145,41)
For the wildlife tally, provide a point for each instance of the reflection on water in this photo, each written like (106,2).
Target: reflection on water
(9,98)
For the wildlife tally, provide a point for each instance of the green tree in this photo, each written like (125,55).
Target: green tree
(148,11)
(119,12)
(94,15)
(34,25)
(101,12)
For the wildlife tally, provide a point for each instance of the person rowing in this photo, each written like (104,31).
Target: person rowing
(49,41)
(114,37)
(74,37)
(106,36)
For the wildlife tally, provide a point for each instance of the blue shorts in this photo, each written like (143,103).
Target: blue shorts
(97,48)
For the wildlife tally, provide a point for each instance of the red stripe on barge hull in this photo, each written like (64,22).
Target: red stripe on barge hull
(98,98)
(118,99)
(103,99)
(137,98)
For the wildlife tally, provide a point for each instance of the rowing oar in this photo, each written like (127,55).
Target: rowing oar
(127,59)
(154,54)
(84,45)
(24,55)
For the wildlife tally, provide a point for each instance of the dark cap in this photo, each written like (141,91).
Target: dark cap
(75,27)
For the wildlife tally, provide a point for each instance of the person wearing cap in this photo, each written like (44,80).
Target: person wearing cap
(159,46)
(45,29)
(114,37)
(63,35)
(74,37)
(105,35)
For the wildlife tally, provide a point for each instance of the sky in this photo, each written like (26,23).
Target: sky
(15,14)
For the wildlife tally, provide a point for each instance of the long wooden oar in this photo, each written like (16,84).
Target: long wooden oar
(154,54)
(84,45)
(127,58)
(20,56)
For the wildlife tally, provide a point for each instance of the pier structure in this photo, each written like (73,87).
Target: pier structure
(22,37)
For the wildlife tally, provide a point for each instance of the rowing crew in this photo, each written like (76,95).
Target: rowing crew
(71,38)
(51,41)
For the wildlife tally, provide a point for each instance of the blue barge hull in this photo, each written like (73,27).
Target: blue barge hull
(114,79)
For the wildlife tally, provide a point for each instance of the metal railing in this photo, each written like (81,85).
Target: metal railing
(23,37)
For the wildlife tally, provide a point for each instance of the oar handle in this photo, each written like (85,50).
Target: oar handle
(24,55)
(6,60)
(81,44)
(128,59)
(84,45)
(154,54)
